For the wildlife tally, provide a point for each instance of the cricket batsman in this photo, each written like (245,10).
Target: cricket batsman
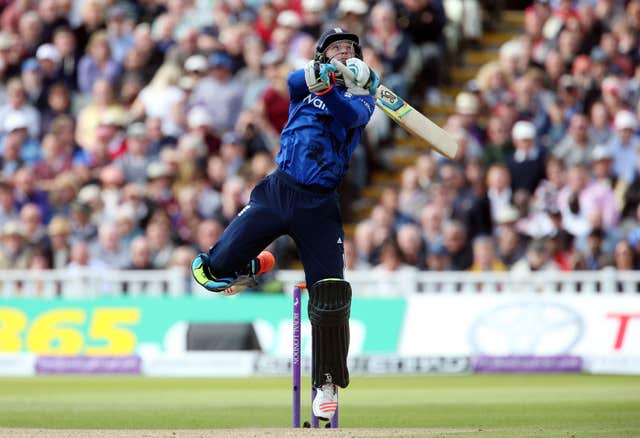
(327,116)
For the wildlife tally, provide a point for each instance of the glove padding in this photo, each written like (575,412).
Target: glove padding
(318,76)
(365,81)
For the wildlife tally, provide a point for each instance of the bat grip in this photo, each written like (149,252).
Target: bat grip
(346,73)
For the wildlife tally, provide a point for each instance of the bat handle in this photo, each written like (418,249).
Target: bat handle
(346,73)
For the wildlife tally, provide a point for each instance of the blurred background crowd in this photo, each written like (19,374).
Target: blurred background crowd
(131,132)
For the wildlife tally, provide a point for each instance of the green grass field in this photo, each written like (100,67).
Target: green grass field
(502,406)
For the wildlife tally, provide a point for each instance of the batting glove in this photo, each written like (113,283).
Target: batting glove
(365,80)
(318,76)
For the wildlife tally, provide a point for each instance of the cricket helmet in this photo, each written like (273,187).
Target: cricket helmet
(333,35)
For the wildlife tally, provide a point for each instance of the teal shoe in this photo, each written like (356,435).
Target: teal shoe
(225,285)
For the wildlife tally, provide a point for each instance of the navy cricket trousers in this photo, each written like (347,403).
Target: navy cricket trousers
(280,205)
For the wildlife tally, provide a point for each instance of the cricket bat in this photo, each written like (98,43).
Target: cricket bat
(408,117)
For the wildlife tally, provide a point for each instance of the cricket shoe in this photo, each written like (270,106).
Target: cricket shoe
(231,285)
(326,401)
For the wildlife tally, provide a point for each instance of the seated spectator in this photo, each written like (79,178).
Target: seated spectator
(576,146)
(160,99)
(412,247)
(135,160)
(59,243)
(526,165)
(498,146)
(140,254)
(89,117)
(411,198)
(580,197)
(457,245)
(97,63)
(484,256)
(26,192)
(511,246)
(18,108)
(33,226)
(17,137)
(109,248)
(15,252)
(596,257)
(438,258)
(537,258)
(624,145)
(600,130)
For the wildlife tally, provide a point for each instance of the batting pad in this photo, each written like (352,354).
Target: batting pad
(329,310)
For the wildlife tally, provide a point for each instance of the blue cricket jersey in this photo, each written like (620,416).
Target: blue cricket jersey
(322,132)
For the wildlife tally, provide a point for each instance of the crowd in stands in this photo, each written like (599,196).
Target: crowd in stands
(548,174)
(131,132)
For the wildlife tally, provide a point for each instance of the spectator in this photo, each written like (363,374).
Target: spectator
(624,145)
(457,246)
(224,109)
(160,99)
(484,256)
(537,258)
(15,253)
(576,146)
(526,165)
(59,244)
(18,108)
(97,63)
(108,248)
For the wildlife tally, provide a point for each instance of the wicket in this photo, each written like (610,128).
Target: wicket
(295,364)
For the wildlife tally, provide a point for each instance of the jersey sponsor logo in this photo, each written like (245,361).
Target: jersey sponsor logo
(315,101)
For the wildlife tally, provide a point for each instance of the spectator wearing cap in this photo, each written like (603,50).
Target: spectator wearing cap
(48,58)
(601,165)
(352,15)
(576,146)
(200,124)
(14,251)
(119,32)
(393,46)
(624,145)
(467,108)
(160,99)
(159,180)
(526,165)
(17,139)
(219,93)
(97,63)
(18,104)
(83,229)
(89,117)
(58,242)
(136,158)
